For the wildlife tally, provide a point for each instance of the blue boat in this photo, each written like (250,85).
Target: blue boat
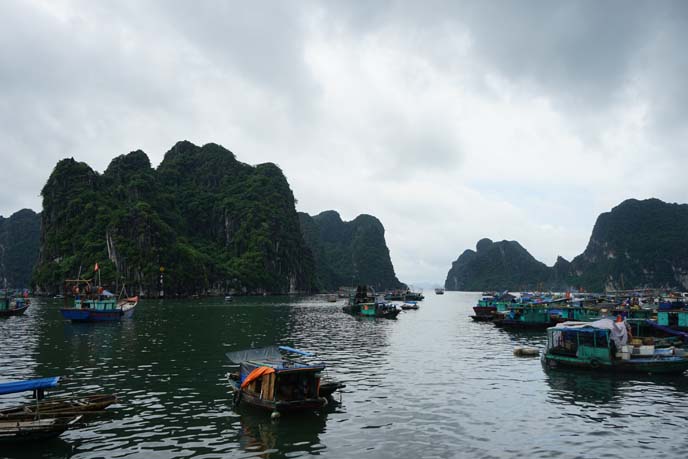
(94,304)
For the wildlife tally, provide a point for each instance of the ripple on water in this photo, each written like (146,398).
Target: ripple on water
(431,384)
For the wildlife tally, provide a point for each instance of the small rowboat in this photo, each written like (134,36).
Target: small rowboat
(13,306)
(60,406)
(43,419)
(13,431)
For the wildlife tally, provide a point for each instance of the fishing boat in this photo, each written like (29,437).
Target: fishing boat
(267,379)
(41,419)
(410,305)
(14,306)
(603,345)
(439,291)
(95,304)
(491,306)
(363,303)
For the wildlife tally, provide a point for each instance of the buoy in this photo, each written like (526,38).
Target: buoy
(524,351)
(275,415)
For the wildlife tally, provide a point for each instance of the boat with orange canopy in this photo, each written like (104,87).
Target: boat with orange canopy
(267,379)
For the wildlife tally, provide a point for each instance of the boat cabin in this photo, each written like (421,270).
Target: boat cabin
(269,380)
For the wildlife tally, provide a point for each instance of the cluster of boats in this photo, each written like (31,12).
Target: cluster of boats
(605,333)
(365,303)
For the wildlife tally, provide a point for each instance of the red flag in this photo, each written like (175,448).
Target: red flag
(96,267)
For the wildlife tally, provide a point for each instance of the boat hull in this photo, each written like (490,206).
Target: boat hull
(244,398)
(34,430)
(14,312)
(668,365)
(355,310)
(94,315)
(521,325)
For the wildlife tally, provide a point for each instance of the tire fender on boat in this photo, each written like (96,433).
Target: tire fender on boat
(594,363)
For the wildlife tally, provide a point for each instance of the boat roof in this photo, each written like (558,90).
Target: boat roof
(30,384)
(264,353)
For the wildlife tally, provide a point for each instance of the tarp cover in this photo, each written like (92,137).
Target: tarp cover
(255,374)
(261,353)
(618,331)
(31,384)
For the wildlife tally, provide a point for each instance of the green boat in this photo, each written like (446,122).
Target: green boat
(603,346)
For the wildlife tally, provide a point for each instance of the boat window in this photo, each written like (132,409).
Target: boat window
(297,386)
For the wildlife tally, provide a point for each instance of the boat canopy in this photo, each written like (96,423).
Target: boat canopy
(296,351)
(31,384)
(264,353)
(260,353)
(618,331)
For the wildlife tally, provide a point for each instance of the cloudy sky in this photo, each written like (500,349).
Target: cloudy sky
(449,121)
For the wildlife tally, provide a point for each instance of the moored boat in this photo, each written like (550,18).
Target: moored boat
(439,291)
(268,380)
(410,305)
(14,306)
(363,303)
(42,419)
(95,304)
(603,345)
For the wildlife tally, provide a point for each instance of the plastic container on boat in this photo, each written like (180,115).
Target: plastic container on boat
(646,350)
(665,351)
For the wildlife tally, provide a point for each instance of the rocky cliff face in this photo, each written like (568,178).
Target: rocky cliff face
(496,265)
(208,220)
(637,244)
(19,243)
(349,253)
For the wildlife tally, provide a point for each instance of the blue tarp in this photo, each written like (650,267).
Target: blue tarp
(31,384)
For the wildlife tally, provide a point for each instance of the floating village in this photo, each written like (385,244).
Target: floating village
(641,331)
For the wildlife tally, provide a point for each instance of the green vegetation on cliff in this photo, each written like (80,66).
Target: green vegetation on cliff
(210,221)
(19,244)
(504,265)
(349,253)
(637,244)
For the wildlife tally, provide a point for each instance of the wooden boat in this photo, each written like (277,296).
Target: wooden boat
(95,304)
(60,406)
(13,306)
(27,430)
(54,407)
(44,419)
(363,303)
(603,346)
(268,380)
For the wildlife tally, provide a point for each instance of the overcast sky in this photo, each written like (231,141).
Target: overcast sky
(449,121)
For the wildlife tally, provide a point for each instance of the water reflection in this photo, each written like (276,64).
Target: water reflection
(295,433)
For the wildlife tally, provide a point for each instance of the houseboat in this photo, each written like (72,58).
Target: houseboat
(268,380)
(603,345)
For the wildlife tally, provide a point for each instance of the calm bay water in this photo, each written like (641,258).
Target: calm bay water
(430,384)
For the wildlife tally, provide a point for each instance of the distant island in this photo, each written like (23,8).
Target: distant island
(637,244)
(19,245)
(349,253)
(201,222)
